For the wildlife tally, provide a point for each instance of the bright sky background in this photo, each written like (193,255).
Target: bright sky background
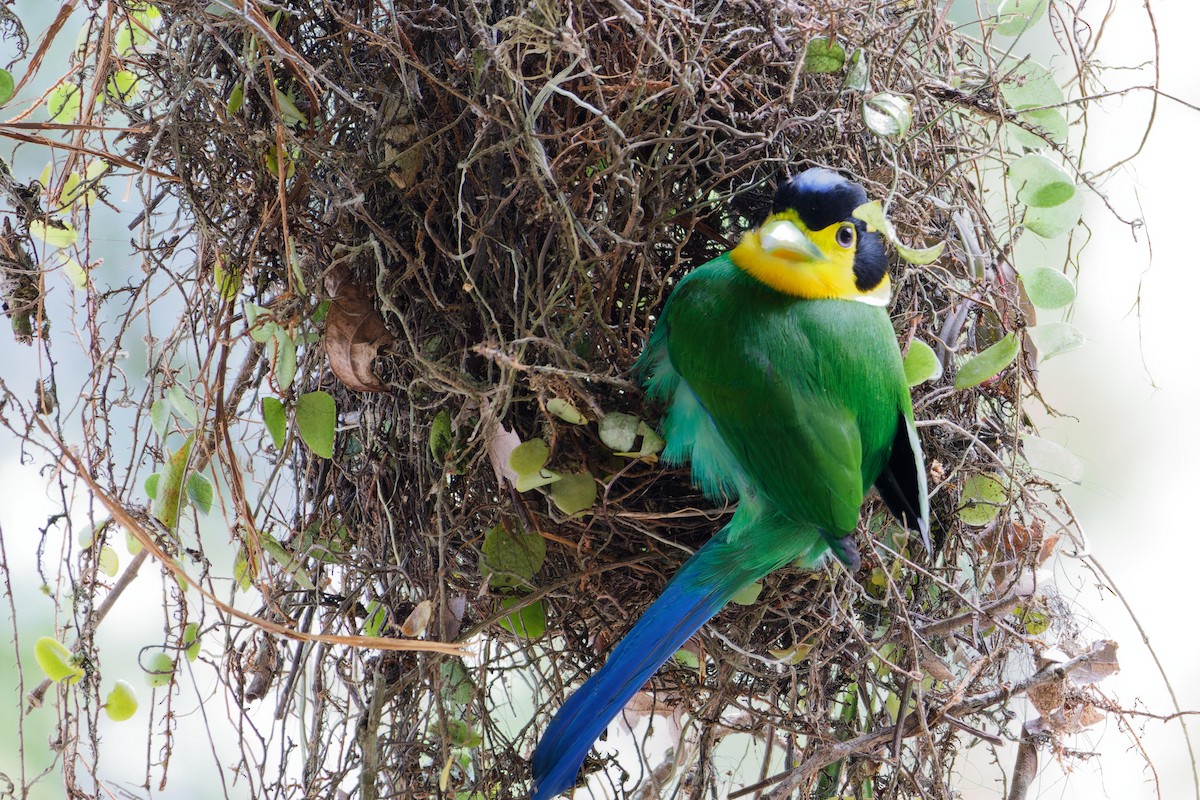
(1135,389)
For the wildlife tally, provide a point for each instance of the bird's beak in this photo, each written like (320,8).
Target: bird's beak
(784,239)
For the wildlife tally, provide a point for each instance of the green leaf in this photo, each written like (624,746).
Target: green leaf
(872,214)
(376,618)
(236,97)
(243,573)
(108,561)
(457,685)
(63,103)
(529,622)
(54,232)
(228,282)
(283,362)
(1050,223)
(888,115)
(987,364)
(574,492)
(858,76)
(565,411)
(292,564)
(183,405)
(191,641)
(200,492)
(56,661)
(511,558)
(619,431)
(982,498)
(160,670)
(747,595)
(823,55)
(121,703)
(160,416)
(529,457)
(1055,338)
(1047,288)
(1014,17)
(169,488)
(76,274)
(261,330)
(7,86)
(1040,182)
(526,460)
(921,364)
(129,37)
(316,420)
(275,418)
(461,734)
(122,86)
(1030,85)
(1051,459)
(687,658)
(1050,123)
(441,437)
(794,655)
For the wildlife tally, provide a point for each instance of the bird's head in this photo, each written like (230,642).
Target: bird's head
(811,246)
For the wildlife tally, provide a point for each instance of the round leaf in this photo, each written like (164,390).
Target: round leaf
(511,559)
(574,492)
(1030,85)
(1048,288)
(316,419)
(108,561)
(1040,182)
(529,457)
(1051,459)
(1014,17)
(748,595)
(982,498)
(1055,338)
(1050,223)
(121,702)
(619,431)
(122,86)
(888,115)
(200,492)
(7,86)
(921,364)
(529,622)
(160,670)
(55,660)
(191,641)
(1048,122)
(987,364)
(823,55)
(63,103)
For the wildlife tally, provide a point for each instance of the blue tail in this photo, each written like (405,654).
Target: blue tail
(700,589)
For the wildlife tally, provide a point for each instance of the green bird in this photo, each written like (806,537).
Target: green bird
(785,388)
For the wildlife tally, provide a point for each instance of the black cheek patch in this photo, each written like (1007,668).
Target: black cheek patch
(870,260)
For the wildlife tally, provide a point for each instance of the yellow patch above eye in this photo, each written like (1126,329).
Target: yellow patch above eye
(831,277)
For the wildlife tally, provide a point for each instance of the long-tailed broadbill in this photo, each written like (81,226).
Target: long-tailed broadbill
(784,387)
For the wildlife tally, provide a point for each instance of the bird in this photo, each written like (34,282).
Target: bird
(784,387)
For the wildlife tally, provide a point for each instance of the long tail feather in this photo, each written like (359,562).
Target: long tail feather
(698,591)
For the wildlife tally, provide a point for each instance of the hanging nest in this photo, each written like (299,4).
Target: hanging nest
(460,222)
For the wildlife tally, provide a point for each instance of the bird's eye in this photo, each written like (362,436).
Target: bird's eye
(845,236)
